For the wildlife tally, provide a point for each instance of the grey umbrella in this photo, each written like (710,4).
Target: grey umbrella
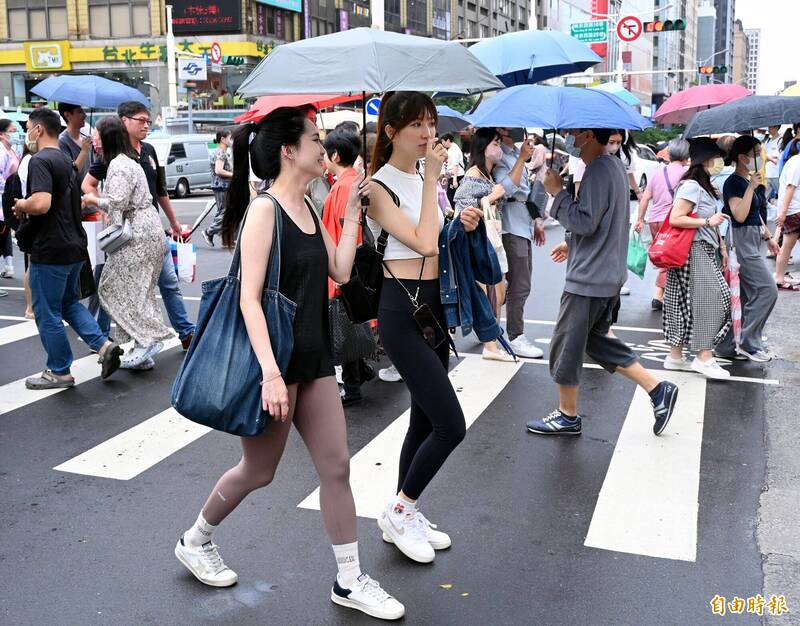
(745,114)
(368,60)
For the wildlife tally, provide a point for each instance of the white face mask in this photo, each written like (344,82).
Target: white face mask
(751,164)
(494,153)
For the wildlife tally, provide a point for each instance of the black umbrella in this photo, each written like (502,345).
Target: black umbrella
(745,114)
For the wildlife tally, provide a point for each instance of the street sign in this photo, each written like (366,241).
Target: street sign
(192,69)
(216,53)
(629,28)
(373,106)
(595,31)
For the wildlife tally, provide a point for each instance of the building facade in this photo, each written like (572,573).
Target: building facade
(674,50)
(754,42)
(723,37)
(741,55)
(706,33)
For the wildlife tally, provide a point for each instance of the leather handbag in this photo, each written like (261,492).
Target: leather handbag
(218,384)
(671,245)
(349,341)
(115,236)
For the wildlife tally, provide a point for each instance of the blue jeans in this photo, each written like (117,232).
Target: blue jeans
(55,290)
(173,298)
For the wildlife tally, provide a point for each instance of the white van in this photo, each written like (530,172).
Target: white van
(186,161)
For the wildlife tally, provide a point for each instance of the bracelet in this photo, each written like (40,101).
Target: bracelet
(269,380)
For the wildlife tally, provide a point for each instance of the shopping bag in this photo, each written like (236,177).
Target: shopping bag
(92,228)
(671,246)
(184,257)
(637,254)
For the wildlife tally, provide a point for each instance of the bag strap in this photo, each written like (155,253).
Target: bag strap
(383,237)
(274,264)
(670,188)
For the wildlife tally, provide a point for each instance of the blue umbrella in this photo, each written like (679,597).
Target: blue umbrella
(531,56)
(450,120)
(94,92)
(556,107)
(618,90)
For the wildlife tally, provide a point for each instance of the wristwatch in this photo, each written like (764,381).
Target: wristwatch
(708,223)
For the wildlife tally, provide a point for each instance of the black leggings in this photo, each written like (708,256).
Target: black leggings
(437,424)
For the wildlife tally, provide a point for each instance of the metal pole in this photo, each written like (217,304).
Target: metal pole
(376,7)
(171,76)
(189,93)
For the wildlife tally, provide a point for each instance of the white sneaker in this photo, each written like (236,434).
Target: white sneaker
(140,355)
(206,564)
(408,533)
(438,539)
(625,290)
(390,375)
(677,364)
(496,355)
(525,349)
(367,596)
(337,369)
(756,356)
(8,272)
(710,369)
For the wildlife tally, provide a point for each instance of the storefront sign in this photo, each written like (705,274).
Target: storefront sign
(192,69)
(595,31)
(289,5)
(192,16)
(47,56)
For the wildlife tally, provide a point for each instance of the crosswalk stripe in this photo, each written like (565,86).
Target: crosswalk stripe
(373,469)
(14,395)
(649,499)
(18,332)
(137,449)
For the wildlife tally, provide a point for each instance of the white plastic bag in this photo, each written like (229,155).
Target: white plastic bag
(184,257)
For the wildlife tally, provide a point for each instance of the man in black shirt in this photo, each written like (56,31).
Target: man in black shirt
(136,118)
(58,255)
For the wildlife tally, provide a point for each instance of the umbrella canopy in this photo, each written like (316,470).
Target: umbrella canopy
(794,90)
(745,114)
(450,120)
(531,56)
(94,92)
(681,106)
(618,90)
(556,107)
(266,104)
(368,60)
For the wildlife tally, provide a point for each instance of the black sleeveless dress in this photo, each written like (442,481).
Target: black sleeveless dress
(304,280)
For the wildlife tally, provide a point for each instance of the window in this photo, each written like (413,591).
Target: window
(118,18)
(37,19)
(484,31)
(178,151)
(471,28)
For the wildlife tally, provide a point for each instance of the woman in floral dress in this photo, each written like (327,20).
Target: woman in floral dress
(127,288)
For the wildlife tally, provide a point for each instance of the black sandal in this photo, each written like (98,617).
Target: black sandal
(110,360)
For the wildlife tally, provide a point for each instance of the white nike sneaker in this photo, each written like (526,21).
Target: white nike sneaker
(408,533)
(206,564)
(367,596)
(525,349)
(710,369)
(681,364)
(438,539)
(390,375)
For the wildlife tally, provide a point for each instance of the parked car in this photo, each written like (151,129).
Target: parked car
(645,165)
(186,161)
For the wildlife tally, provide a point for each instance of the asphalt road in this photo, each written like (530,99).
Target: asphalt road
(613,527)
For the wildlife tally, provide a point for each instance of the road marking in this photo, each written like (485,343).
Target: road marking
(137,449)
(194,298)
(638,329)
(18,332)
(14,318)
(14,395)
(13,288)
(649,499)
(373,469)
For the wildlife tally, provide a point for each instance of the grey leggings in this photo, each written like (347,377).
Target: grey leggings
(316,411)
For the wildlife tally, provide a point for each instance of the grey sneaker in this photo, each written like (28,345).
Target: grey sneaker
(209,239)
(757,356)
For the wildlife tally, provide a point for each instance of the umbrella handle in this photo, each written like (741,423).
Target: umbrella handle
(480,99)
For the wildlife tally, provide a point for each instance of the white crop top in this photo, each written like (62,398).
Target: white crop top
(408,188)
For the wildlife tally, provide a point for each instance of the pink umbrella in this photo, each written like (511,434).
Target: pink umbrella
(732,274)
(681,106)
(266,104)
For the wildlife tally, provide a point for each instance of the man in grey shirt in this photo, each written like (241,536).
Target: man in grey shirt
(520,226)
(71,142)
(596,253)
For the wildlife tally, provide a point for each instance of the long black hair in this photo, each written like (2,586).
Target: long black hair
(793,149)
(698,173)
(788,135)
(480,141)
(282,127)
(114,139)
(398,110)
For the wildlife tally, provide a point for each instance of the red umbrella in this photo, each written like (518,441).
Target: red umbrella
(681,106)
(265,104)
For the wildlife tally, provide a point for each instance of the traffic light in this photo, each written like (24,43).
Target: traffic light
(713,69)
(667,25)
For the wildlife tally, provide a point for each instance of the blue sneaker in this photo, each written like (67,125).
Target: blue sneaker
(555,424)
(663,400)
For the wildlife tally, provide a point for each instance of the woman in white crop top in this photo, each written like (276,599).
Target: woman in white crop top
(406,133)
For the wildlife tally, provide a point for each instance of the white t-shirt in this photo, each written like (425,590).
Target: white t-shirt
(22,172)
(790,176)
(577,168)
(455,160)
(773,149)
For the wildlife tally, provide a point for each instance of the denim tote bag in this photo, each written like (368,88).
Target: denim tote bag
(218,383)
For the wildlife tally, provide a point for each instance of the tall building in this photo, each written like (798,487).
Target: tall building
(706,33)
(754,40)
(482,18)
(741,55)
(723,40)
(674,50)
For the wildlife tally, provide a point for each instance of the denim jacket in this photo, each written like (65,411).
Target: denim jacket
(465,259)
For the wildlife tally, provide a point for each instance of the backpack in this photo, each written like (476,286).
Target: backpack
(11,193)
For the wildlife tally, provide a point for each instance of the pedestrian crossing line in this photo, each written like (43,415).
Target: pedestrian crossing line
(137,449)
(373,469)
(648,503)
(13,288)
(193,298)
(18,332)
(637,329)
(14,318)
(14,395)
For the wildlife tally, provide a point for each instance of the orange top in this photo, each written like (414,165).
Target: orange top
(333,212)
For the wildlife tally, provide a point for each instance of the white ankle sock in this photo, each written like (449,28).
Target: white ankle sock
(402,507)
(199,534)
(347,561)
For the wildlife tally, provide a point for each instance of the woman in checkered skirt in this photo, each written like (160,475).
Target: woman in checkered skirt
(697,300)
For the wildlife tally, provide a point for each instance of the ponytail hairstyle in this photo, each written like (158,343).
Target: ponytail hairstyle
(398,110)
(258,145)
(221,134)
(698,173)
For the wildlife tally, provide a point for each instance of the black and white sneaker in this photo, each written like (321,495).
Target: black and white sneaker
(367,595)
(666,405)
(208,238)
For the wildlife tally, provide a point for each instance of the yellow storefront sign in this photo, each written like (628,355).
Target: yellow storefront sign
(47,56)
